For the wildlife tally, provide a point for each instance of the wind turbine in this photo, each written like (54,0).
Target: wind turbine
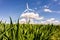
(28,14)
(27,8)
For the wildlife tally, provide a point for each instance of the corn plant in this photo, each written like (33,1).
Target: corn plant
(29,31)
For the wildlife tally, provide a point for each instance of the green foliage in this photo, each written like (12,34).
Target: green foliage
(29,31)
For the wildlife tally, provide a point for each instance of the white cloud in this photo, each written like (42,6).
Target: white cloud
(22,21)
(50,11)
(39,18)
(50,21)
(45,6)
(43,22)
(31,15)
(56,21)
(47,10)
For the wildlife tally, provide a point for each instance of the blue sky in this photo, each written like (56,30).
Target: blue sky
(14,8)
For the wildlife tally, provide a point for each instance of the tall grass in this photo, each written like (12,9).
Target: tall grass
(29,31)
(17,31)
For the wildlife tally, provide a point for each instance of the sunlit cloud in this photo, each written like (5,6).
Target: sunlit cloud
(39,18)
(50,11)
(22,21)
(30,15)
(47,10)
(43,22)
(50,21)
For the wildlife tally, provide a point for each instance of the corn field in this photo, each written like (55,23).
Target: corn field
(29,31)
